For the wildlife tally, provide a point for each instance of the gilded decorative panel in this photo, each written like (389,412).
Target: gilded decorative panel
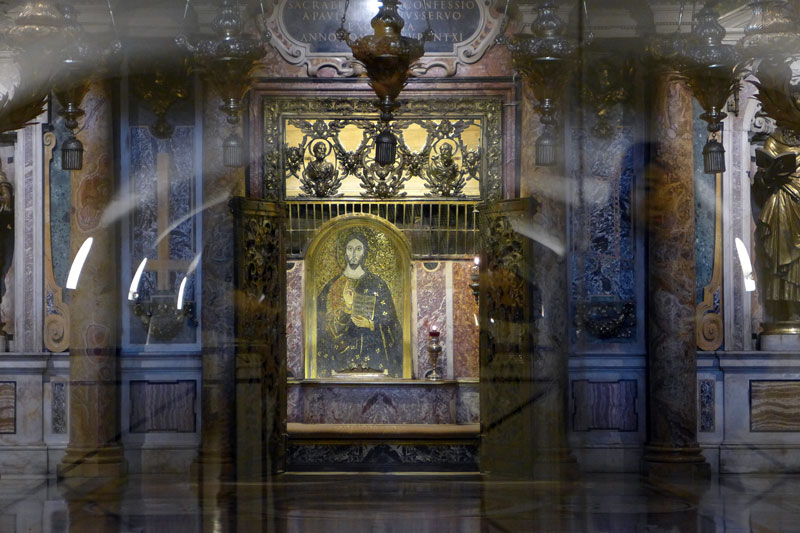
(324,148)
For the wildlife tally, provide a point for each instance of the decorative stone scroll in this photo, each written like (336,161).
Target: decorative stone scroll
(57,312)
(304,31)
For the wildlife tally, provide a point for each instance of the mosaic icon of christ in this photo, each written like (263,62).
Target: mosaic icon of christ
(357,324)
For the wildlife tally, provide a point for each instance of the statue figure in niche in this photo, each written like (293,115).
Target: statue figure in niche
(776,190)
(357,324)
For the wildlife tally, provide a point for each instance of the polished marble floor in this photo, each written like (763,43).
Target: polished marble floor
(334,503)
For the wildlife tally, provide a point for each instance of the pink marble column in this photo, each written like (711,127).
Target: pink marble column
(94,448)
(672,447)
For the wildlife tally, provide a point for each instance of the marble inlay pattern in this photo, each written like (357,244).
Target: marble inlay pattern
(58,407)
(378,404)
(382,456)
(8,407)
(294,407)
(143,188)
(26,342)
(603,238)
(163,406)
(465,327)
(294,320)
(707,414)
(773,406)
(468,408)
(431,311)
(604,405)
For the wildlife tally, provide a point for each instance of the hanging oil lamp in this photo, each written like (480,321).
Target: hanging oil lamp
(387,56)
(226,62)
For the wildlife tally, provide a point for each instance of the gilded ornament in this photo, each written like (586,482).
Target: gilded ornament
(320,178)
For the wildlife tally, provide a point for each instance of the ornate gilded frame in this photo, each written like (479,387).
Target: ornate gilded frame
(402,249)
(487,108)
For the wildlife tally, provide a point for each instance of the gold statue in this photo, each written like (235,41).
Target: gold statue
(776,189)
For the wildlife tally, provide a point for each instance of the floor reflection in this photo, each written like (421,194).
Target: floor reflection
(398,503)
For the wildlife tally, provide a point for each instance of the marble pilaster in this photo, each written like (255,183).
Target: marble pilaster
(465,326)
(94,448)
(672,447)
(294,320)
(431,311)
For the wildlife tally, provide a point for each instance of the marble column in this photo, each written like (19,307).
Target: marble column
(94,448)
(671,448)
(216,457)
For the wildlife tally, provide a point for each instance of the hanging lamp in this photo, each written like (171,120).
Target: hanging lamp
(387,56)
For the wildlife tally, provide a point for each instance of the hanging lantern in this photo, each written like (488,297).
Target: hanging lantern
(226,62)
(545,58)
(387,56)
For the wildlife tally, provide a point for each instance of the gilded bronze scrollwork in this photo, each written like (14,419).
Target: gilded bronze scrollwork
(445,157)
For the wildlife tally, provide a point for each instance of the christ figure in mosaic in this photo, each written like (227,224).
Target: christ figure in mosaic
(357,325)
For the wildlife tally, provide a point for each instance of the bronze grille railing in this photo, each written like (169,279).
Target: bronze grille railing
(437,229)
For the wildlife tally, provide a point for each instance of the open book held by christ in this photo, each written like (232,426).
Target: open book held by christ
(364,305)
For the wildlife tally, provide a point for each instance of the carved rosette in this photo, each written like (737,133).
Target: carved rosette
(260,327)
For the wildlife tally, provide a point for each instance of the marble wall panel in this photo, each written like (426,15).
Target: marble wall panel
(294,320)
(163,406)
(469,404)
(706,397)
(604,405)
(58,408)
(294,407)
(379,404)
(431,311)
(8,407)
(773,405)
(465,323)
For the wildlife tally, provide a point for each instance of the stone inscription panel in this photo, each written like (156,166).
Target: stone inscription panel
(315,22)
(773,405)
(8,407)
(604,405)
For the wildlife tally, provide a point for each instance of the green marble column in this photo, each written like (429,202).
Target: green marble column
(94,448)
(671,448)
